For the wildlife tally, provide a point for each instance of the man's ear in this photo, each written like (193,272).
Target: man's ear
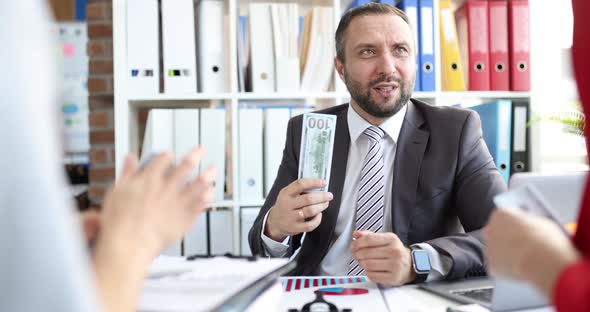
(339,67)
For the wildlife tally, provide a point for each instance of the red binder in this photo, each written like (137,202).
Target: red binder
(519,30)
(498,27)
(472,30)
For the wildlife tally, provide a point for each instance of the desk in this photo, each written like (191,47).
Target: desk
(175,284)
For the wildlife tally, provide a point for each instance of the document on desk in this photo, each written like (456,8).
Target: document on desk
(358,295)
(175,284)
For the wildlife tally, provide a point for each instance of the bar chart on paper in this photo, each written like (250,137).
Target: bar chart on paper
(297,283)
(346,292)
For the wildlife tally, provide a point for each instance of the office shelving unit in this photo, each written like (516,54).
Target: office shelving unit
(127,106)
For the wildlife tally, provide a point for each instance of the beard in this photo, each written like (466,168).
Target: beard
(362,95)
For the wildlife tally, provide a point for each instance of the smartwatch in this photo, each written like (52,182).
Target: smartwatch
(421,263)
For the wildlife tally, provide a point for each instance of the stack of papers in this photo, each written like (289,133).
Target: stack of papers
(176,284)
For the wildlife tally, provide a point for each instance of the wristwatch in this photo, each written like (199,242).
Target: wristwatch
(420,263)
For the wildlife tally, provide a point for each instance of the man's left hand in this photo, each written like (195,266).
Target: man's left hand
(384,258)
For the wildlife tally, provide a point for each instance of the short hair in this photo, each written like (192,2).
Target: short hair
(372,8)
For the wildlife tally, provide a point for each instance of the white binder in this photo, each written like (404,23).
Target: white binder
(261,44)
(195,240)
(143,74)
(213,136)
(159,137)
(159,133)
(179,49)
(186,133)
(221,231)
(275,133)
(285,31)
(247,217)
(212,66)
(250,155)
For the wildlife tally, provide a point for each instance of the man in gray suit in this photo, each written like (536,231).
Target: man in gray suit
(406,176)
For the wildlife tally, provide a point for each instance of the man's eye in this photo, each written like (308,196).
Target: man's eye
(401,51)
(367,52)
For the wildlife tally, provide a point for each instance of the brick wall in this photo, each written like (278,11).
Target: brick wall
(100,100)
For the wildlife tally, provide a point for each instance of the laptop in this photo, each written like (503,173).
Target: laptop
(556,196)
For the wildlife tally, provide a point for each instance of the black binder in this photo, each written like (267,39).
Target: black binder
(520,160)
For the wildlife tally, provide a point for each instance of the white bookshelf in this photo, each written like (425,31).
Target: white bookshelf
(127,106)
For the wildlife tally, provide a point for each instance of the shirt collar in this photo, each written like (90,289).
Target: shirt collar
(392,125)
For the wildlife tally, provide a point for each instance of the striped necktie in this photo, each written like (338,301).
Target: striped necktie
(369,213)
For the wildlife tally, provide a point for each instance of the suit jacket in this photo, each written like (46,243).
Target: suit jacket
(444,178)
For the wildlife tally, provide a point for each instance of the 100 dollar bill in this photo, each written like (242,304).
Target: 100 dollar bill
(317,146)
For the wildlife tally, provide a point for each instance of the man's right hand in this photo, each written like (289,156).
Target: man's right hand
(294,211)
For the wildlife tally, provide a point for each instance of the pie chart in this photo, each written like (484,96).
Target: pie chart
(339,291)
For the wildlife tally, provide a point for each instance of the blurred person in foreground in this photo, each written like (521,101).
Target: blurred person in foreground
(44,265)
(531,248)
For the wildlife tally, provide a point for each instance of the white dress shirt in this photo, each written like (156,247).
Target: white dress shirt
(336,261)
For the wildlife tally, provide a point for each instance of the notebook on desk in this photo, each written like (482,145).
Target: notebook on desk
(208,284)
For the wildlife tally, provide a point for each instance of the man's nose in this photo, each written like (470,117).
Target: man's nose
(387,64)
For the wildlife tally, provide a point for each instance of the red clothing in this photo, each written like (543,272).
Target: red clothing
(572,289)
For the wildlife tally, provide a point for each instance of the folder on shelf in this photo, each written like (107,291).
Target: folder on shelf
(356,3)
(518,21)
(285,30)
(186,133)
(212,47)
(243,53)
(452,78)
(213,138)
(426,51)
(159,133)
(221,233)
(178,46)
(498,27)
(250,154)
(390,2)
(247,217)
(318,50)
(196,240)
(275,133)
(472,28)
(520,157)
(159,137)
(261,45)
(143,74)
(496,123)
(411,9)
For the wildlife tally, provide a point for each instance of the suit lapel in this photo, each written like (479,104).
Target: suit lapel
(317,242)
(408,160)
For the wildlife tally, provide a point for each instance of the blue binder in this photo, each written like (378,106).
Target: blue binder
(496,123)
(356,3)
(390,2)
(411,9)
(426,50)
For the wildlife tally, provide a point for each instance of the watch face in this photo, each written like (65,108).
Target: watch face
(421,261)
